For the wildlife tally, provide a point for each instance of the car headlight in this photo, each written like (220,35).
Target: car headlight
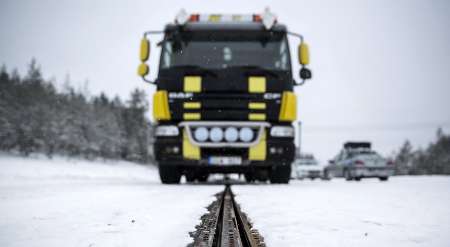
(168,130)
(282,131)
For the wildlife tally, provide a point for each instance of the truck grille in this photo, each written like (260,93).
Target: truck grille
(234,107)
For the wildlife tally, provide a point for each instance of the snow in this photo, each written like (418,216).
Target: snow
(62,202)
(405,211)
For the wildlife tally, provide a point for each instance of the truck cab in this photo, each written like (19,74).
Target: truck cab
(224,100)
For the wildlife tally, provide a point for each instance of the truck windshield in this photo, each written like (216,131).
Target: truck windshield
(222,53)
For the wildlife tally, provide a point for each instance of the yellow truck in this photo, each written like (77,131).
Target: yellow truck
(224,100)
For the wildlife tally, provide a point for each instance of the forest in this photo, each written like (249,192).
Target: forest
(434,159)
(35,117)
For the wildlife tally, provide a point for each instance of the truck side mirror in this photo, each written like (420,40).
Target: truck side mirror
(303,54)
(305,73)
(331,162)
(303,59)
(143,68)
(145,50)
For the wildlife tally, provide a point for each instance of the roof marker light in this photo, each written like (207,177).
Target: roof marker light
(257,18)
(194,18)
(182,17)
(268,18)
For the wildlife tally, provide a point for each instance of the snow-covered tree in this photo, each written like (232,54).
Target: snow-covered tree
(403,160)
(35,117)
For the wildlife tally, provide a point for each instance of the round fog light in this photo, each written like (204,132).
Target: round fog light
(246,134)
(216,134)
(231,134)
(201,134)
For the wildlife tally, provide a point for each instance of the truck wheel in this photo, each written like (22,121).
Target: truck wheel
(383,178)
(262,175)
(249,177)
(263,179)
(202,177)
(190,177)
(169,174)
(347,175)
(280,174)
(358,179)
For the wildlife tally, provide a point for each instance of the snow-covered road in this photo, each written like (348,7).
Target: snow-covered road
(405,211)
(78,203)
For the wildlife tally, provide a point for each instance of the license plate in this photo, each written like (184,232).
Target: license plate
(219,160)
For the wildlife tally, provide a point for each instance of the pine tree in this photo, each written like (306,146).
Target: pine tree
(136,127)
(403,160)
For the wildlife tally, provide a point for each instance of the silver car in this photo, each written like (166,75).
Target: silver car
(306,166)
(357,160)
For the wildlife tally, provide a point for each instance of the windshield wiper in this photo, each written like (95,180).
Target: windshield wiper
(194,67)
(257,68)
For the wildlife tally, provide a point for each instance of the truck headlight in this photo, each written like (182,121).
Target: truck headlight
(231,134)
(168,130)
(282,131)
(246,134)
(216,134)
(201,134)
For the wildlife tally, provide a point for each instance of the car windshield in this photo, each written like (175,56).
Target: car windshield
(221,51)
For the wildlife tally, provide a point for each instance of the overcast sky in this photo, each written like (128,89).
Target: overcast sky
(381,68)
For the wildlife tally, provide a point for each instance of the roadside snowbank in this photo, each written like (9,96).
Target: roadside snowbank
(40,169)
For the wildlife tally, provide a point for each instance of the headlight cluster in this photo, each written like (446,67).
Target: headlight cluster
(229,134)
(168,130)
(282,131)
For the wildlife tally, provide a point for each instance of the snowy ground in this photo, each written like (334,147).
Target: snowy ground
(405,211)
(79,203)
(63,202)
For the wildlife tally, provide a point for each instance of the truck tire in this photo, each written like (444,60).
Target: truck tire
(249,177)
(190,177)
(383,178)
(202,177)
(169,174)
(261,175)
(280,174)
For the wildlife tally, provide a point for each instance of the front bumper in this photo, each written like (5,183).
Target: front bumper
(309,174)
(314,174)
(278,151)
(372,172)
